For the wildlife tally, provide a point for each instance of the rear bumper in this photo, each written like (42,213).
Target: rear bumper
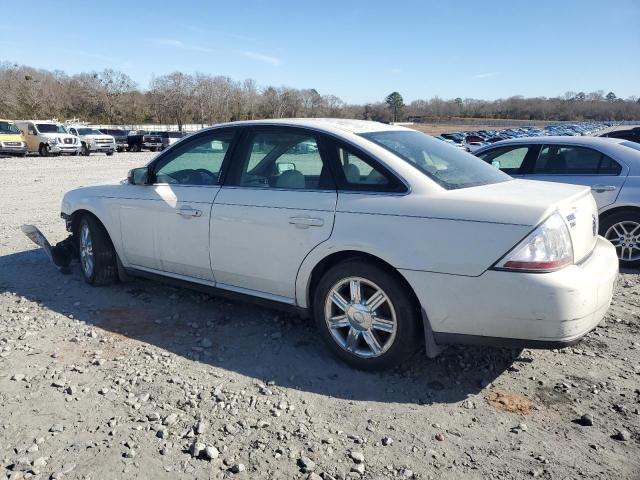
(544,310)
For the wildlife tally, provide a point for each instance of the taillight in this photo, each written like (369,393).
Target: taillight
(545,249)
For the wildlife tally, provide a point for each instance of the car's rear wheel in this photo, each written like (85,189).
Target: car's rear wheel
(43,151)
(109,154)
(366,315)
(623,231)
(85,150)
(97,255)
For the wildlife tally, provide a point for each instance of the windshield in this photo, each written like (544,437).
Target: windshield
(448,166)
(634,145)
(6,127)
(50,128)
(88,131)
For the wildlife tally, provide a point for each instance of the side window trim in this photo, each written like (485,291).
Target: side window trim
(233,171)
(169,155)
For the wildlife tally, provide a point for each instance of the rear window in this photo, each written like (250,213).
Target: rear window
(446,165)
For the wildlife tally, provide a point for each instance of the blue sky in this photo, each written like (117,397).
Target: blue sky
(357,50)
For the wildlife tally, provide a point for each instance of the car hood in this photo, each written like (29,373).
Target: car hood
(107,137)
(11,137)
(57,135)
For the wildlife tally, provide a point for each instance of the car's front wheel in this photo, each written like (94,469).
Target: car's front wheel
(43,151)
(366,315)
(623,231)
(97,255)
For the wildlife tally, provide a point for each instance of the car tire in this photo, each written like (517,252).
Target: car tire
(153,149)
(109,154)
(43,150)
(97,255)
(85,150)
(137,147)
(618,228)
(354,336)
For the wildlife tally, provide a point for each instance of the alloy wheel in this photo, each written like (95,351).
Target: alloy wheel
(360,317)
(86,250)
(625,236)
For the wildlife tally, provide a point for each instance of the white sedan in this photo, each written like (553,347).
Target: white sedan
(386,237)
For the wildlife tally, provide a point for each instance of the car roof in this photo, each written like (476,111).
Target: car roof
(325,124)
(553,140)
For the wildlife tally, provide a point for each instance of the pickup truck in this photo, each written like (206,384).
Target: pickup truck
(119,135)
(141,139)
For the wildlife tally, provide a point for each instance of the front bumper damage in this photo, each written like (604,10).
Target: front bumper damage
(61,254)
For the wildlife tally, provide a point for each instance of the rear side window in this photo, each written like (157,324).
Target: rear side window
(282,159)
(507,159)
(574,160)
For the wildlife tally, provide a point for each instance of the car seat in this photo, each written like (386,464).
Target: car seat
(291,179)
(352,173)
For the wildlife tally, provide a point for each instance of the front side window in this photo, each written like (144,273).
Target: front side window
(507,159)
(574,160)
(283,159)
(195,163)
(446,165)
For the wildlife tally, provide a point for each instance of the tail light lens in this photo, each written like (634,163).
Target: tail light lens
(545,249)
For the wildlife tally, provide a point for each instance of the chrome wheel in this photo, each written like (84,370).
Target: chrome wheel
(625,236)
(86,250)
(360,317)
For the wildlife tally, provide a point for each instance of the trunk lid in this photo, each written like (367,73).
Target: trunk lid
(529,202)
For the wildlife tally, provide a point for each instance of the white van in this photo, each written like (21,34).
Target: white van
(48,138)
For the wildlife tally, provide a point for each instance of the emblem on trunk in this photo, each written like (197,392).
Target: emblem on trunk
(571,218)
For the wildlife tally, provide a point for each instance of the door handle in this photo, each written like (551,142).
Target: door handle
(603,188)
(305,222)
(189,212)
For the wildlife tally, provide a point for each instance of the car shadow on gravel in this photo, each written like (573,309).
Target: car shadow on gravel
(257,342)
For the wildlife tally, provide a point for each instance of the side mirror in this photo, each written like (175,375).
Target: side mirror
(138,176)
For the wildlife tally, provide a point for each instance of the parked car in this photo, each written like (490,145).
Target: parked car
(141,139)
(48,138)
(119,135)
(169,138)
(11,140)
(382,234)
(93,140)
(610,167)
(631,134)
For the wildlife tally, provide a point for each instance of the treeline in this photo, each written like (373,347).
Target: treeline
(112,97)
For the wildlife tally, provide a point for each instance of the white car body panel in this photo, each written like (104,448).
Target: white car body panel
(267,241)
(260,237)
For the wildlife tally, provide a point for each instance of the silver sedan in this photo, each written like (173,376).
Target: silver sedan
(611,167)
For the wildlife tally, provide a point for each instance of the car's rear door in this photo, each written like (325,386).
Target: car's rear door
(277,203)
(165,225)
(581,165)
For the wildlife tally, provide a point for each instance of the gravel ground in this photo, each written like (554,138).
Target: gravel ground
(142,380)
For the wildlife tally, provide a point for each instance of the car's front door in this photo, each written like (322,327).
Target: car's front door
(277,203)
(165,225)
(581,166)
